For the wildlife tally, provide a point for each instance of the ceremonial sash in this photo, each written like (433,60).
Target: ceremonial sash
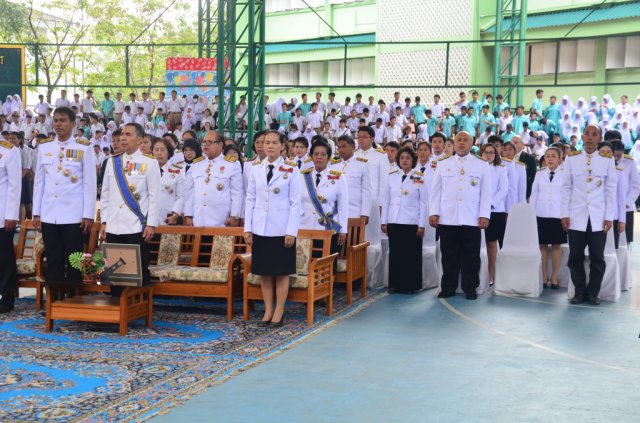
(126,193)
(327,219)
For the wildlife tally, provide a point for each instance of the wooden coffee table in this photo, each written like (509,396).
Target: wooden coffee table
(66,302)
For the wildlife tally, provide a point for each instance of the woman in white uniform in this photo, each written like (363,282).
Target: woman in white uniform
(494,234)
(405,209)
(546,198)
(172,183)
(272,218)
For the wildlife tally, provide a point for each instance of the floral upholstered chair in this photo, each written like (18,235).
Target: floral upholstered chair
(218,269)
(168,253)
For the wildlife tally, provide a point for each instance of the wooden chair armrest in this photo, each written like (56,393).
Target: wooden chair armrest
(245,259)
(361,246)
(322,262)
(40,265)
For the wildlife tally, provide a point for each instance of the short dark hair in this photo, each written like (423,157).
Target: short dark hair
(139,129)
(65,111)
(346,138)
(302,140)
(116,133)
(369,130)
(617,145)
(393,144)
(439,135)
(172,136)
(495,138)
(167,145)
(321,143)
(410,152)
(190,132)
(612,135)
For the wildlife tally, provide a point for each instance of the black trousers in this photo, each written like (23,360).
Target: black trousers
(629,228)
(405,258)
(59,242)
(145,258)
(8,271)
(460,247)
(577,242)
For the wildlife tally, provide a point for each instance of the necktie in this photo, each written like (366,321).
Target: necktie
(270,173)
(422,169)
(318,176)
(299,163)
(551,174)
(161,172)
(404,177)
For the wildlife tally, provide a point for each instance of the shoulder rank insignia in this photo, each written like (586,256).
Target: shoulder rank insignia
(520,163)
(230,159)
(149,156)
(6,144)
(199,159)
(446,156)
(309,170)
(335,172)
(255,162)
(83,141)
(620,168)
(362,159)
(46,140)
(335,161)
(418,173)
(289,163)
(394,171)
(541,169)
(607,155)
(176,165)
(574,153)
(501,165)
(379,150)
(627,156)
(504,159)
(308,160)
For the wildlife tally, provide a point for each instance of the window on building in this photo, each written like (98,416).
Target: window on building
(282,74)
(575,56)
(282,5)
(359,71)
(622,52)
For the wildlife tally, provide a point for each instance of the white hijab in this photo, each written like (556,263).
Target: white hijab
(566,106)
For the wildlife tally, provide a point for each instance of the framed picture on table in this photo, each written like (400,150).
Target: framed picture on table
(127,256)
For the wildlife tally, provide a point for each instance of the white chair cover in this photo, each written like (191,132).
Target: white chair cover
(564,275)
(518,263)
(430,273)
(375,252)
(484,268)
(624,264)
(610,289)
(385,262)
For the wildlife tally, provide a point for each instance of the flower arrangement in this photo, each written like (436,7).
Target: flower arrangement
(88,263)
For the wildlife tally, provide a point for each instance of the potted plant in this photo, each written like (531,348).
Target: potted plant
(91,265)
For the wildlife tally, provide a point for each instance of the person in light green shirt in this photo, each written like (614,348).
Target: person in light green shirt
(107,106)
(486,119)
(284,118)
(304,106)
(448,123)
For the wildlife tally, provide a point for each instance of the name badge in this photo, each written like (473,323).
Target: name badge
(74,155)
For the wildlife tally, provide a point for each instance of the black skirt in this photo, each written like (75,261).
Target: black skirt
(269,256)
(550,231)
(497,225)
(405,258)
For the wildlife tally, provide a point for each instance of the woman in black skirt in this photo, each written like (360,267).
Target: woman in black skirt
(494,234)
(272,217)
(546,197)
(405,208)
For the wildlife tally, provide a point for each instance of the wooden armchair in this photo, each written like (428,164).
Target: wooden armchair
(30,260)
(352,261)
(313,279)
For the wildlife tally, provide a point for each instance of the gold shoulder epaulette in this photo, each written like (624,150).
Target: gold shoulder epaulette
(520,163)
(379,150)
(394,171)
(46,140)
(230,159)
(504,159)
(501,165)
(607,155)
(83,141)
(149,156)
(627,156)
(541,169)
(335,172)
(574,153)
(292,164)
(336,161)
(308,160)
(362,159)
(446,156)
(619,168)
(6,144)
(256,162)
(176,165)
(418,173)
(199,159)
(309,170)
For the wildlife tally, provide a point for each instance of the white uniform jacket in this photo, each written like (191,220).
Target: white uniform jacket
(64,189)
(631,174)
(546,195)
(589,191)
(172,187)
(332,193)
(500,185)
(142,173)
(214,191)
(621,196)
(406,202)
(517,173)
(461,191)
(273,208)
(10,182)
(379,171)
(356,170)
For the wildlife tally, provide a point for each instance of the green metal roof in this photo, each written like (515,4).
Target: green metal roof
(572,17)
(319,43)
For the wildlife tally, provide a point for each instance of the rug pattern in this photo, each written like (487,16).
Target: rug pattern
(87,372)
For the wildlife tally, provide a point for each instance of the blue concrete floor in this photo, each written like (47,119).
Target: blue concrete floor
(419,359)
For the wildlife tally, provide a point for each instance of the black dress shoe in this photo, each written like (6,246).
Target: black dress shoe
(277,324)
(471,296)
(6,308)
(443,294)
(264,323)
(593,300)
(577,299)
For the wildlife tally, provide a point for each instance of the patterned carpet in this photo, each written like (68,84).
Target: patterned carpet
(87,372)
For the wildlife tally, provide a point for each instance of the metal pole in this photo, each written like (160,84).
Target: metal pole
(344,76)
(126,66)
(220,72)
(262,66)
(252,69)
(555,72)
(521,52)
(200,17)
(208,28)
(446,67)
(497,49)
(37,65)
(230,22)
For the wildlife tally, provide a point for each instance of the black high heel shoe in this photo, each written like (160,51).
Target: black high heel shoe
(278,324)
(264,323)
